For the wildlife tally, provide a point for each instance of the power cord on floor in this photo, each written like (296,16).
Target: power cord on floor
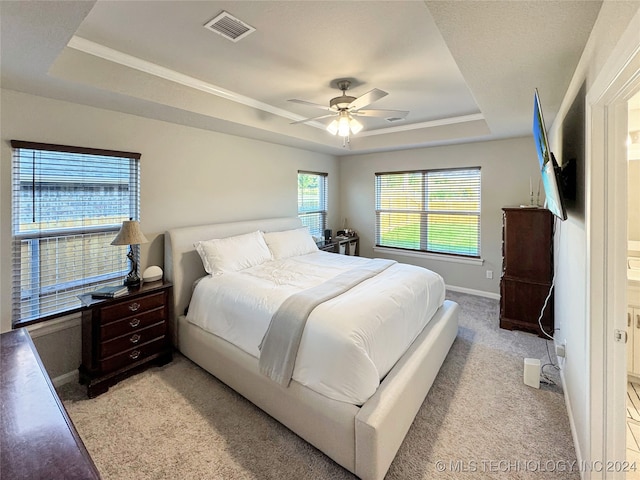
(545,377)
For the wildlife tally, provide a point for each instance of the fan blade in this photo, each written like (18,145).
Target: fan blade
(367,99)
(312,118)
(309,104)
(381,113)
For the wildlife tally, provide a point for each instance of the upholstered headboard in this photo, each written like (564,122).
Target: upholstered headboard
(182,263)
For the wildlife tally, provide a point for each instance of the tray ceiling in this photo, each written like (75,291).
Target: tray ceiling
(464,70)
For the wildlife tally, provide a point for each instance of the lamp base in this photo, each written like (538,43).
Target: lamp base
(132,281)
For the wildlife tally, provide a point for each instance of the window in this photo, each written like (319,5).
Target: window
(68,205)
(435,211)
(312,201)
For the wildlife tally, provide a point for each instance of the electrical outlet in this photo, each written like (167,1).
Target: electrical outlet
(489,273)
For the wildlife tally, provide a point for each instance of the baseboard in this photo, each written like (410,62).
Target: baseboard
(572,425)
(471,291)
(65,378)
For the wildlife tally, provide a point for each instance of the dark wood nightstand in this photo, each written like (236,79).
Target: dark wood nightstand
(123,335)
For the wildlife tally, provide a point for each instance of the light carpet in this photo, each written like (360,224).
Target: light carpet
(478,421)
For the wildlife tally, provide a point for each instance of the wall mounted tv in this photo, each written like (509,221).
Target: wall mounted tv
(549,169)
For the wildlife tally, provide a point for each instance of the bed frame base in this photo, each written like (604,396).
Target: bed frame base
(365,439)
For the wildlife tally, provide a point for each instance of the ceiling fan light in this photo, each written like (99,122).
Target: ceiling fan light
(332,128)
(356,126)
(343,126)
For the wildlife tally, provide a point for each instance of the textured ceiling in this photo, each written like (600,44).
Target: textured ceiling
(465,70)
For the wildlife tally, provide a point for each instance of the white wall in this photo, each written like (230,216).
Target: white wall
(571,240)
(188,176)
(506,168)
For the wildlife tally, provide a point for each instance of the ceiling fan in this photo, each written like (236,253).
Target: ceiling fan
(346,107)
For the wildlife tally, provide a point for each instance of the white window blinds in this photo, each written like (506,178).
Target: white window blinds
(312,201)
(434,211)
(68,204)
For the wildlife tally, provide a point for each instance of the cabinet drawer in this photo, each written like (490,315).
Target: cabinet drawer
(131,307)
(132,355)
(131,323)
(126,342)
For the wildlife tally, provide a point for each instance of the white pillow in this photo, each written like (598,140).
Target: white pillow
(232,254)
(290,243)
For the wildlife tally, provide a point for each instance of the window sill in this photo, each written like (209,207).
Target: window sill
(441,257)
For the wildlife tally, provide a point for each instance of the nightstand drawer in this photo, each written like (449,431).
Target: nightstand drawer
(131,307)
(131,324)
(133,355)
(126,342)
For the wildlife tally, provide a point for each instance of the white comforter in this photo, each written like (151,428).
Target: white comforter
(350,342)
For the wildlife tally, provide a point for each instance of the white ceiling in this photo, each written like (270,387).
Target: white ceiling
(465,70)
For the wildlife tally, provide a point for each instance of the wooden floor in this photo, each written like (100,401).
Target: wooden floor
(633,428)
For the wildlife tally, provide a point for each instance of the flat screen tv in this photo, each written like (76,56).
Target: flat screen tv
(549,169)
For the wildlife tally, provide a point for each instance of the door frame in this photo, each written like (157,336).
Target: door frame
(606,227)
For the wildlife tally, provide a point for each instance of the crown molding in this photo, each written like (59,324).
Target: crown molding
(115,56)
(121,58)
(429,124)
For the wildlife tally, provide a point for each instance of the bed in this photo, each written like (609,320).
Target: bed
(361,431)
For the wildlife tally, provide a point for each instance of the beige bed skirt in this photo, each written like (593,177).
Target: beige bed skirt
(365,439)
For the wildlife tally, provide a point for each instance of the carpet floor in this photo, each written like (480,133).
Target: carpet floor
(478,421)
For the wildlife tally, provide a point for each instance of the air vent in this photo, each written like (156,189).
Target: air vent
(394,119)
(229,27)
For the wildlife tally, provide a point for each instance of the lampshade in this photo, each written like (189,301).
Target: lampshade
(344,125)
(355,126)
(129,234)
(332,128)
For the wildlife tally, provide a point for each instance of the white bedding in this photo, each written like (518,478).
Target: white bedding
(349,343)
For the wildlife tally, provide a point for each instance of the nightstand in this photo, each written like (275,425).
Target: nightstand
(348,245)
(327,246)
(343,245)
(122,336)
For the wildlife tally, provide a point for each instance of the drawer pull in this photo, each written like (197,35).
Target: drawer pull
(637,321)
(134,355)
(134,307)
(628,319)
(134,322)
(135,338)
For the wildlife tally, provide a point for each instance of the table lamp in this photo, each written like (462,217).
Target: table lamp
(130,234)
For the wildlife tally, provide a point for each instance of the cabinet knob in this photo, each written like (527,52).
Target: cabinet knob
(134,322)
(134,306)
(135,338)
(134,355)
